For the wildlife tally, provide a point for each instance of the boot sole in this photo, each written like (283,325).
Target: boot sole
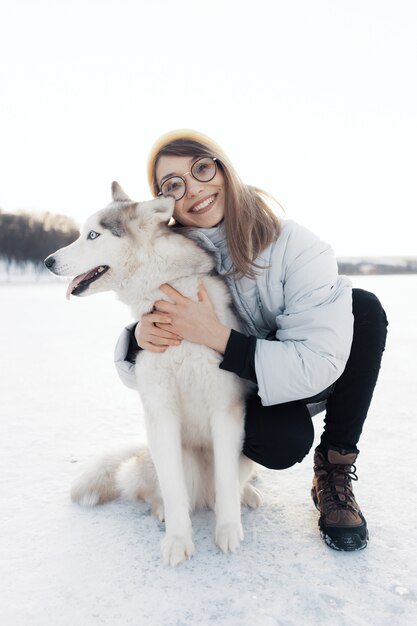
(349,541)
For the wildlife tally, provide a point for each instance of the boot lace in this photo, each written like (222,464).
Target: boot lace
(336,486)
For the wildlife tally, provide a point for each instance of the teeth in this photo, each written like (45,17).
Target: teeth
(98,271)
(203,205)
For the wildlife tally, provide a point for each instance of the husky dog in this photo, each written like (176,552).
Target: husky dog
(194,411)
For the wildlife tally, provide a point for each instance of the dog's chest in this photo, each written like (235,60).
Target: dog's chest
(186,384)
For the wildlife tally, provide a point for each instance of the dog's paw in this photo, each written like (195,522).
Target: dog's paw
(251,496)
(175,550)
(229,536)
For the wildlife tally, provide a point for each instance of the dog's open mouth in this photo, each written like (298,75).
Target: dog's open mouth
(83,281)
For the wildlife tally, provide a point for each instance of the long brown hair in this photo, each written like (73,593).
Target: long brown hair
(251,225)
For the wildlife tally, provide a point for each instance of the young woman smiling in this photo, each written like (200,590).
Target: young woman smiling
(308,340)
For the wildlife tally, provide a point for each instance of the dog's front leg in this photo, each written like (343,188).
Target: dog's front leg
(227,431)
(164,436)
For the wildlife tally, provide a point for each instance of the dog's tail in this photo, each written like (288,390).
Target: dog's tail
(98,484)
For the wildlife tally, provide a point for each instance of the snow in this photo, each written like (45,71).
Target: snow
(62,405)
(12,272)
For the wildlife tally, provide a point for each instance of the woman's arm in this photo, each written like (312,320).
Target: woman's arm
(126,367)
(315,329)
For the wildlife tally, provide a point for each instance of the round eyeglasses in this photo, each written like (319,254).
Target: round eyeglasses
(203,170)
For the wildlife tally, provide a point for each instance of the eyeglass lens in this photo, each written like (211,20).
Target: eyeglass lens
(203,170)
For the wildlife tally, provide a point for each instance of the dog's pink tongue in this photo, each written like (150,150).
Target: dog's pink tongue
(76,281)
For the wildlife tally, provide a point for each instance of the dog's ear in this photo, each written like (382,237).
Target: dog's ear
(146,217)
(118,194)
(157,211)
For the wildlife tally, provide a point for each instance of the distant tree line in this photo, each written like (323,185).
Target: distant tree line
(370,267)
(30,238)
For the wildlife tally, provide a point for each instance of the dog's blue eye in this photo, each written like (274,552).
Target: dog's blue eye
(93,235)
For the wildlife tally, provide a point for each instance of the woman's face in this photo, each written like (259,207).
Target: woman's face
(203,203)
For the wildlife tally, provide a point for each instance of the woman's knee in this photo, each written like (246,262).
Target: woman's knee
(274,459)
(368,308)
(279,441)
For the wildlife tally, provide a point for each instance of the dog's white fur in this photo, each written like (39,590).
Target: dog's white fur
(194,411)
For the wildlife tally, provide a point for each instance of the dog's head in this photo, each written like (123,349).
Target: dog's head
(107,251)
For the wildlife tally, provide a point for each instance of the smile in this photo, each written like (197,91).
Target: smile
(203,205)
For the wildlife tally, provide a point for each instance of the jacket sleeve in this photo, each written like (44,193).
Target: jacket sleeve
(124,363)
(315,328)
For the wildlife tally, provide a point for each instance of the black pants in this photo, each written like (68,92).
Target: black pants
(279,436)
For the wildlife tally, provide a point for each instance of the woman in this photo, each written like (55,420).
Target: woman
(308,339)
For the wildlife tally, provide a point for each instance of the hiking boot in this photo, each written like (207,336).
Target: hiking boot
(341,523)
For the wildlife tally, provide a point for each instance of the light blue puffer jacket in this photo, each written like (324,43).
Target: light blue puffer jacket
(299,299)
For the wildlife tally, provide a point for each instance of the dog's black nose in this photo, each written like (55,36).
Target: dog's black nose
(49,262)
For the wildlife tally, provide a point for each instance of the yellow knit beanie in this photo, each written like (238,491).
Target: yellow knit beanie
(173,135)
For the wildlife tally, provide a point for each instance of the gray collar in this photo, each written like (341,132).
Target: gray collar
(213,240)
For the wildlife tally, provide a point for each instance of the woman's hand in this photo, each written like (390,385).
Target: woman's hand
(151,333)
(195,321)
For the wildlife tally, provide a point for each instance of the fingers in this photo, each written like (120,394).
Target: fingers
(166,333)
(172,293)
(152,348)
(155,343)
(151,333)
(164,307)
(163,339)
(202,293)
(157,318)
(160,321)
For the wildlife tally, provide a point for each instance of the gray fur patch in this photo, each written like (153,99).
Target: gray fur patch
(113,222)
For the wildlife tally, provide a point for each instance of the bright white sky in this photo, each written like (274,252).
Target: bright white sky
(315,101)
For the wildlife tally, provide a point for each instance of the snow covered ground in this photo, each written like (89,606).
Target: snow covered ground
(62,404)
